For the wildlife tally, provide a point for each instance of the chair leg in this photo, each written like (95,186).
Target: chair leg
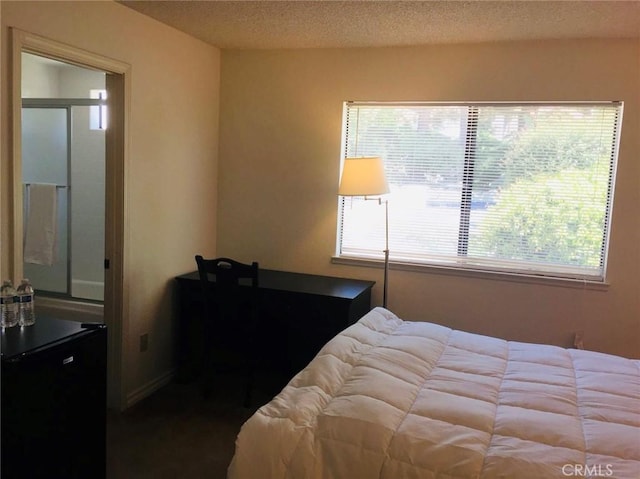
(249,386)
(207,374)
(247,397)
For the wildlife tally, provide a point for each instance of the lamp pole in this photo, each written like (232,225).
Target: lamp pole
(365,176)
(386,251)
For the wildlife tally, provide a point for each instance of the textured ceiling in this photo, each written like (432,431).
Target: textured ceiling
(326,24)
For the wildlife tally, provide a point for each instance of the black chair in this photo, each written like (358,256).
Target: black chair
(230,299)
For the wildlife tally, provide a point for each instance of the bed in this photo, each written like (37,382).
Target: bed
(388,398)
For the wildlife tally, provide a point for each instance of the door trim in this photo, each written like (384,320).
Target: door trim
(118,80)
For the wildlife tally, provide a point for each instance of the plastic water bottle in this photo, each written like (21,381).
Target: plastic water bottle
(26,304)
(8,305)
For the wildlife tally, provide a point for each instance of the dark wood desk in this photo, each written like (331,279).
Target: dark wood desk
(306,311)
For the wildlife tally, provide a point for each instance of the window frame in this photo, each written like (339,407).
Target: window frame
(477,267)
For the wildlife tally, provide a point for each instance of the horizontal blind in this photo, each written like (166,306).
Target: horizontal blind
(508,187)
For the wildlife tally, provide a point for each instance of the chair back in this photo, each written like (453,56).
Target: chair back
(230,301)
(229,289)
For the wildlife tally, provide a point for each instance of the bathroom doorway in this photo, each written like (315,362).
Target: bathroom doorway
(64,119)
(113,309)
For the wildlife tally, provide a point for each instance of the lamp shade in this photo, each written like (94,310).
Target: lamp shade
(363,176)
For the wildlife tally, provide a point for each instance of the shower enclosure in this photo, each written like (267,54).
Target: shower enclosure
(63,144)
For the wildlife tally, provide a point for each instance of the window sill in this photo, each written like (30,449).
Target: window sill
(475,273)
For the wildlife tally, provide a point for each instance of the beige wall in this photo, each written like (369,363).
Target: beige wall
(280,138)
(172,162)
(279,159)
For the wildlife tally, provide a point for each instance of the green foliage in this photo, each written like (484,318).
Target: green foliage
(543,151)
(489,154)
(529,143)
(554,227)
(412,142)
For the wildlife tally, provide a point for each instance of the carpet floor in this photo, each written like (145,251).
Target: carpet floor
(176,433)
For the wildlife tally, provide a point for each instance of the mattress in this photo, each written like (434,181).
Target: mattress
(388,398)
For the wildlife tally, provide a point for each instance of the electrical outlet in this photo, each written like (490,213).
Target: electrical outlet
(578,341)
(144,342)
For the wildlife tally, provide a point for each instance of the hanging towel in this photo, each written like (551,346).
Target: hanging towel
(40,237)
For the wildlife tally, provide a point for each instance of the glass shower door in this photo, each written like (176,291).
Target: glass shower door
(87,204)
(45,160)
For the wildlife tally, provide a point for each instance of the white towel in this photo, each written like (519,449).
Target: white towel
(40,237)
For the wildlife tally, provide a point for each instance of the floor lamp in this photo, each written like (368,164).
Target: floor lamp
(364,176)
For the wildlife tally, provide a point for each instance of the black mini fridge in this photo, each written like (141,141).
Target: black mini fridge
(53,393)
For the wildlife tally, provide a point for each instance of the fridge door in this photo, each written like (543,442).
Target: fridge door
(54,409)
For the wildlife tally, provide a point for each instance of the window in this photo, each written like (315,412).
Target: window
(515,188)
(98,115)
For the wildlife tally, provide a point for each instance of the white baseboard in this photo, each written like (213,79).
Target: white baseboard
(149,388)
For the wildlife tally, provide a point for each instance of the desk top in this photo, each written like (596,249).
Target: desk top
(269,279)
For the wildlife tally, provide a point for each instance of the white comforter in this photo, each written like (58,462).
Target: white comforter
(395,399)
